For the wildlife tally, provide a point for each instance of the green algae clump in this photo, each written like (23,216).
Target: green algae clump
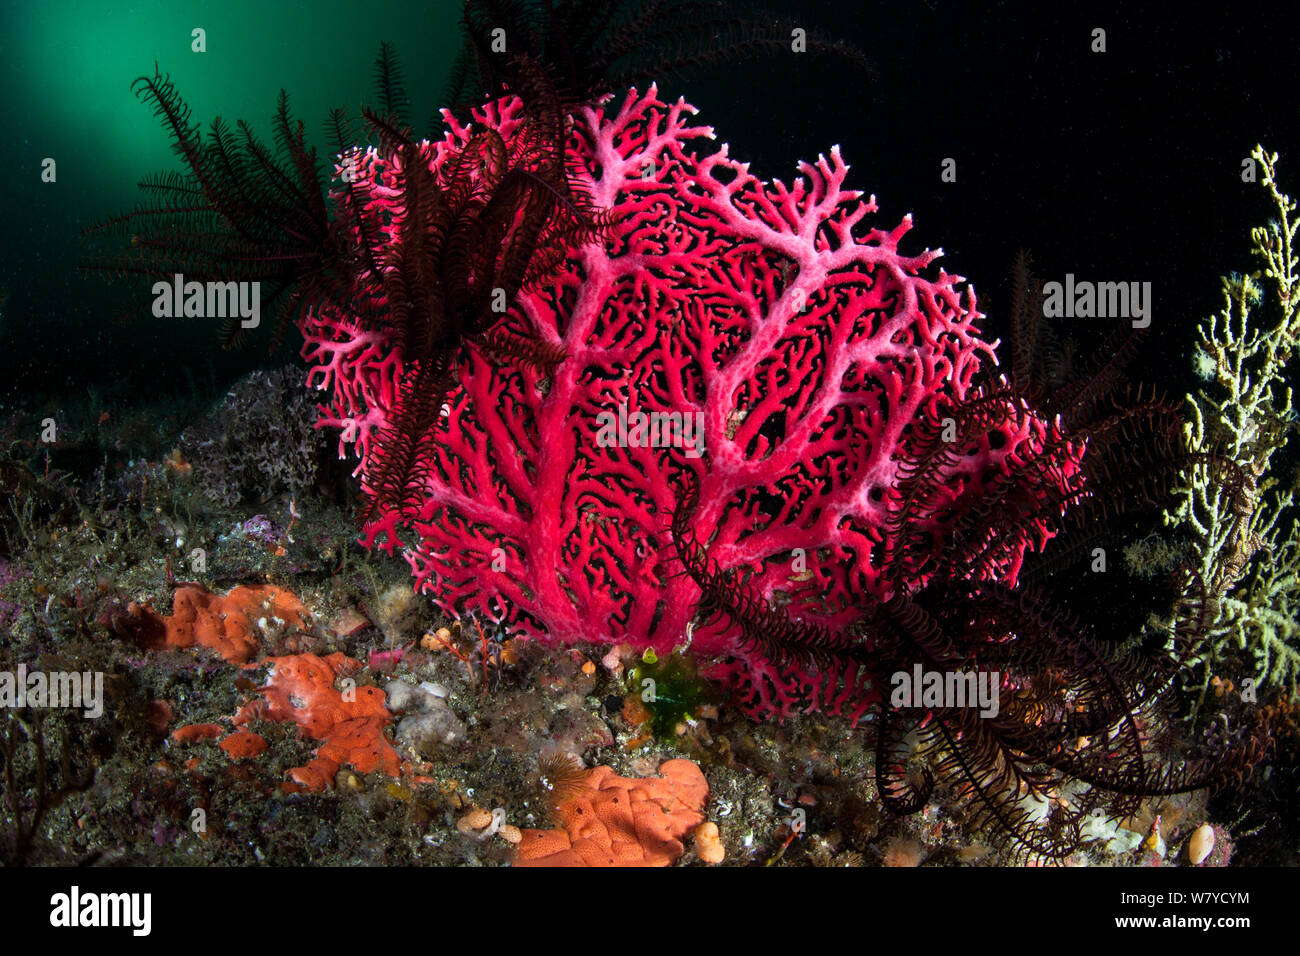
(671,690)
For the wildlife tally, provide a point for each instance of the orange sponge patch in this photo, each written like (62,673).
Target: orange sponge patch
(622,821)
(243,744)
(229,625)
(350,725)
(193,732)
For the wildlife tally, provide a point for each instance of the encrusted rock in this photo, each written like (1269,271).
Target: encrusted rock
(431,730)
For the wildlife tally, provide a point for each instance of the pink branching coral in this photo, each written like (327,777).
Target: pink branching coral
(763,336)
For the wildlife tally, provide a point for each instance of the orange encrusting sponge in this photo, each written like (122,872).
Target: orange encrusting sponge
(229,624)
(622,821)
(350,724)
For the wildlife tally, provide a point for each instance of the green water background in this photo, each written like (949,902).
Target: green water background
(67,67)
(1122,166)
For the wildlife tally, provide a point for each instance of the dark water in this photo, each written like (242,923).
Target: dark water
(1113,164)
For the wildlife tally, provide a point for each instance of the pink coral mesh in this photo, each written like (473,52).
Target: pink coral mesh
(805,342)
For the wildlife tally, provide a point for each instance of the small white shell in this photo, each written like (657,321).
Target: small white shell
(1200,845)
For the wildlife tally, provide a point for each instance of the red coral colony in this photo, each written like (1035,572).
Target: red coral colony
(758,427)
(604,385)
(750,337)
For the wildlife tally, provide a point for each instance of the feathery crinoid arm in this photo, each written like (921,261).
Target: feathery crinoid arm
(240,211)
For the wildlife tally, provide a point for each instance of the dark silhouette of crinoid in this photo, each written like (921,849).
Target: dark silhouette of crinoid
(495,219)
(492,220)
(593,47)
(241,212)
(1137,452)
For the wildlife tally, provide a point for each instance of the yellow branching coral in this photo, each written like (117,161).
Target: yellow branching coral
(1249,558)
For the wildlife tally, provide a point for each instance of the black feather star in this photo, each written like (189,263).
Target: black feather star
(1073,734)
(493,220)
(241,212)
(594,47)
